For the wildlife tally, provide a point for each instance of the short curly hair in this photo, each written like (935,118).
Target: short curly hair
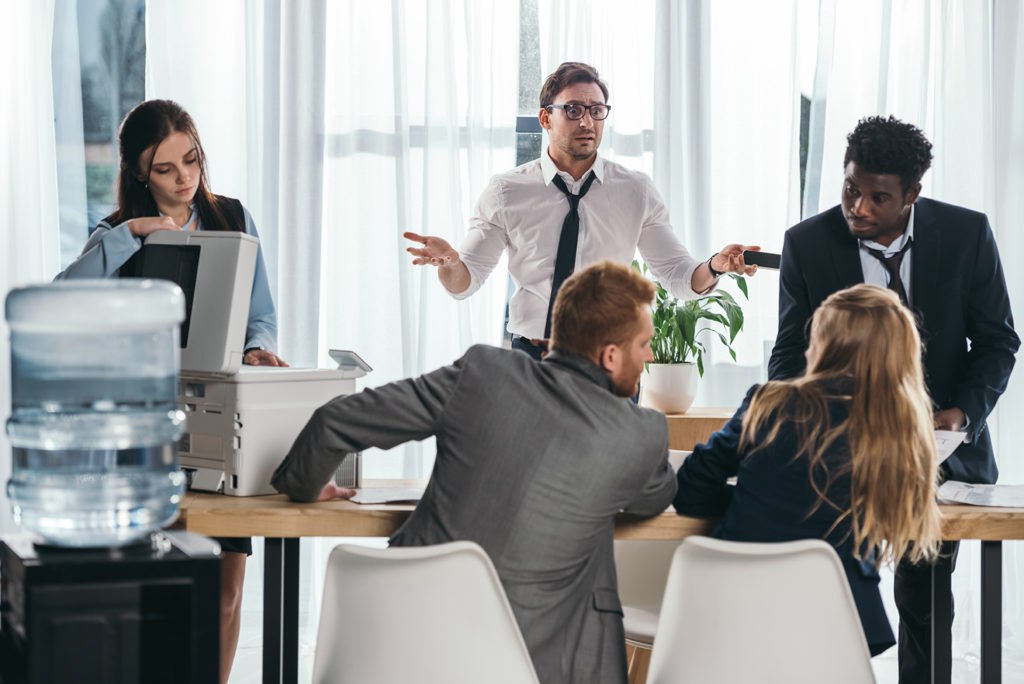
(889,146)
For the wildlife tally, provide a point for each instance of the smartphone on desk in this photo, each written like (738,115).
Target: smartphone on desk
(762,259)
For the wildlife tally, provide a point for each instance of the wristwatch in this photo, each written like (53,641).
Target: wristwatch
(711,269)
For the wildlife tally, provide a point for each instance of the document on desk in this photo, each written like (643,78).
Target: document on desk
(995,496)
(385,495)
(946,442)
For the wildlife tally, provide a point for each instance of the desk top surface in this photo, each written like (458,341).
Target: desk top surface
(275,516)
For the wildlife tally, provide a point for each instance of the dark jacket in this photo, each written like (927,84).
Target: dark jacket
(773,499)
(957,291)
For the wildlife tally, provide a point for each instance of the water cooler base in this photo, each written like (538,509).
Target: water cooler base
(145,613)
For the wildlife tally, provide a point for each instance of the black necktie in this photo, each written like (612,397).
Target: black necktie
(892,264)
(565,257)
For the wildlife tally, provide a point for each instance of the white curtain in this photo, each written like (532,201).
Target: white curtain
(29,222)
(256,91)
(420,113)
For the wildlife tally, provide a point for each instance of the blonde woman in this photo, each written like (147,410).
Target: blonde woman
(845,453)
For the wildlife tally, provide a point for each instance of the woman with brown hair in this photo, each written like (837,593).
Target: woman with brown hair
(163,185)
(845,453)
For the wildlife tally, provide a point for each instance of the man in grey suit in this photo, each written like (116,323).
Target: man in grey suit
(533,462)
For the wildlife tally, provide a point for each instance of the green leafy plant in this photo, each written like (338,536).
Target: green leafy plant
(677,323)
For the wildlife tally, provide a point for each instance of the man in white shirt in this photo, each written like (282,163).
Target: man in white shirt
(612,212)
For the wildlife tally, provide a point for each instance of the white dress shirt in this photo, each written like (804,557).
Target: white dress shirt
(874,271)
(522,211)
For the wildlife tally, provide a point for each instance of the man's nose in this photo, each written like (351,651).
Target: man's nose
(860,207)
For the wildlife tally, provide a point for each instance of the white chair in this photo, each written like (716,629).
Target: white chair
(417,614)
(642,569)
(744,612)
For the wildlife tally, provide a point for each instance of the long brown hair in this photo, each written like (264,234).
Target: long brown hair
(866,343)
(148,124)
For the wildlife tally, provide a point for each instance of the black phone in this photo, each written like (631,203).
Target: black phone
(762,259)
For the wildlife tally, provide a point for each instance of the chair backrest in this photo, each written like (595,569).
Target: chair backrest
(745,612)
(423,614)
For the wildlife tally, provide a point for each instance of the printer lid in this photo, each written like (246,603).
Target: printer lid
(215,271)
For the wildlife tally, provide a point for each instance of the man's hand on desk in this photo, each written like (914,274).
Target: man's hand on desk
(333,491)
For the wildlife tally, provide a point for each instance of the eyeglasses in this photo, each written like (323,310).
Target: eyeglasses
(574,112)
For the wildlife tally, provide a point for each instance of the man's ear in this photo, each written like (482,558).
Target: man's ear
(544,115)
(912,194)
(609,357)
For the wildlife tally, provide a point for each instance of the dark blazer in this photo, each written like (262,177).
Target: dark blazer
(772,502)
(533,462)
(957,292)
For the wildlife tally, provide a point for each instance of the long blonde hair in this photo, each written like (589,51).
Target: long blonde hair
(865,343)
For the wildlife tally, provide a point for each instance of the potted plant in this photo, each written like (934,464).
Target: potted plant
(669,382)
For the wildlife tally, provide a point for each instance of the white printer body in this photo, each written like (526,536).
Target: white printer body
(241,419)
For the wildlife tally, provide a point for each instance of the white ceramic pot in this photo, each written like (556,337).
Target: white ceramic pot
(669,387)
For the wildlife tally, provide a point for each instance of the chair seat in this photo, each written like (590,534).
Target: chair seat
(640,625)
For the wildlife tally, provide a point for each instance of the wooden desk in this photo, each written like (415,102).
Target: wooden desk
(284,523)
(695,426)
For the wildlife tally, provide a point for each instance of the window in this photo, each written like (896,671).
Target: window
(99,69)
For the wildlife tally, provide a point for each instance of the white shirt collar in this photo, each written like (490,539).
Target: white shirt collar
(548,169)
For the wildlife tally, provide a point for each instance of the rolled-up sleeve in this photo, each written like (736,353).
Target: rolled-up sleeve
(671,263)
(487,238)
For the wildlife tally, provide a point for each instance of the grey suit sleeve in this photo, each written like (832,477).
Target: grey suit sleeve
(657,492)
(994,342)
(787,359)
(384,417)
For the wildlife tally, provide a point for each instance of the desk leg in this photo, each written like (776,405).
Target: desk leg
(281,611)
(942,639)
(991,612)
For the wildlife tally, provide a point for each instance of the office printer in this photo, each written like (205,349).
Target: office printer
(241,419)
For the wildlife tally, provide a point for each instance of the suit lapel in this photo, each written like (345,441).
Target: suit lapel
(844,252)
(925,256)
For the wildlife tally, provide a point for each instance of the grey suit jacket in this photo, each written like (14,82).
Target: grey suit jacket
(533,462)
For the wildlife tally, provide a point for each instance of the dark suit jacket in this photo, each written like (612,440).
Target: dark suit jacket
(772,500)
(957,291)
(533,462)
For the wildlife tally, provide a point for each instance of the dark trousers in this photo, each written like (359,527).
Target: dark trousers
(914,601)
(522,344)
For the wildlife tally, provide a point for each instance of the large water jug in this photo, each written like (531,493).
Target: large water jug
(94,420)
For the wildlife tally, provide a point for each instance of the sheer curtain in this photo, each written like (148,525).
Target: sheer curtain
(420,113)
(29,221)
(255,87)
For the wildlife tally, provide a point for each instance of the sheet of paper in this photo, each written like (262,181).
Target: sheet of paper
(996,496)
(946,442)
(381,495)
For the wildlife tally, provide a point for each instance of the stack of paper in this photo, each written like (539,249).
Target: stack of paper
(1001,496)
(382,495)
